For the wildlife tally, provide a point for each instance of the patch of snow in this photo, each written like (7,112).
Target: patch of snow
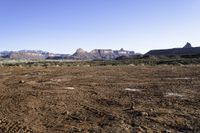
(170,94)
(134,90)
(56,80)
(69,88)
(186,78)
(181,78)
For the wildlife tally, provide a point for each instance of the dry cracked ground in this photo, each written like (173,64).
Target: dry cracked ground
(111,99)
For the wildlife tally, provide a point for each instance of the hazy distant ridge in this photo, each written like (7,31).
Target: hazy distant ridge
(80,54)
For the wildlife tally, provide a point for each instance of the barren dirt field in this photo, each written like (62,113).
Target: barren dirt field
(111,99)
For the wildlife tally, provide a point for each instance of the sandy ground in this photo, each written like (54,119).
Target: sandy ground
(118,99)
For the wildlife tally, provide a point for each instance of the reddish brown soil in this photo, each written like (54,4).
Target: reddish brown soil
(36,99)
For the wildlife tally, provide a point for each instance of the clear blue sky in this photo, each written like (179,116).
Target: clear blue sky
(62,26)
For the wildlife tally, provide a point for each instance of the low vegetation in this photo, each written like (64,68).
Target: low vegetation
(162,60)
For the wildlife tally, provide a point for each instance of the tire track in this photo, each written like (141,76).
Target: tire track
(7,126)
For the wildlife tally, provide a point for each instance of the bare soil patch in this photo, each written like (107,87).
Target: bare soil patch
(118,99)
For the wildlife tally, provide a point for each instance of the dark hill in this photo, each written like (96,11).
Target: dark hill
(187,50)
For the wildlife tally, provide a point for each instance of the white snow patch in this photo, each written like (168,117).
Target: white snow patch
(186,78)
(170,94)
(56,80)
(69,88)
(181,78)
(134,90)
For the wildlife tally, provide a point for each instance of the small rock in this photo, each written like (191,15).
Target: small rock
(166,131)
(21,81)
(86,65)
(140,129)
(144,114)
(131,65)
(133,107)
(142,64)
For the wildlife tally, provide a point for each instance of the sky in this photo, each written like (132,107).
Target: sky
(62,26)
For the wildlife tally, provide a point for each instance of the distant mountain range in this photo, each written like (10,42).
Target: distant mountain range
(80,54)
(99,54)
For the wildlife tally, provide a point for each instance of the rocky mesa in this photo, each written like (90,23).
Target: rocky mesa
(101,54)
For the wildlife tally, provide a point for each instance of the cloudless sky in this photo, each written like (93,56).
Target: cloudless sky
(62,26)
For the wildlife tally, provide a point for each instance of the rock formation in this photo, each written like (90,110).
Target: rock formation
(102,54)
(188,45)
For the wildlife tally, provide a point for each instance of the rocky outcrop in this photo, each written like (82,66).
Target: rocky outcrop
(28,55)
(188,45)
(102,54)
(25,55)
(81,54)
